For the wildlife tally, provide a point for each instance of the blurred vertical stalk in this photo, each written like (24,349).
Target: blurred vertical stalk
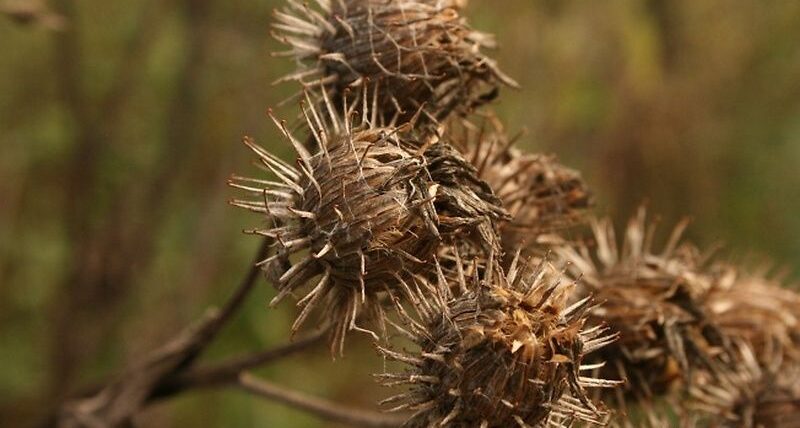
(80,221)
(109,242)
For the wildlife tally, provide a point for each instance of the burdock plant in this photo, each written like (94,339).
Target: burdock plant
(540,194)
(386,206)
(366,209)
(358,209)
(497,349)
(747,391)
(653,298)
(418,55)
(757,310)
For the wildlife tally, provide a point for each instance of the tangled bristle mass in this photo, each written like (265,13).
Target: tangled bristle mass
(358,210)
(505,352)
(540,194)
(654,299)
(364,211)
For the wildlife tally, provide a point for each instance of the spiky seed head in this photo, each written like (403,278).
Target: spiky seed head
(466,205)
(420,53)
(744,391)
(504,351)
(541,194)
(653,299)
(370,205)
(757,310)
(358,210)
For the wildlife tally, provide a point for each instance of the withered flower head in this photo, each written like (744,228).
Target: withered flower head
(365,210)
(757,310)
(540,194)
(746,392)
(654,300)
(464,202)
(418,52)
(358,210)
(505,352)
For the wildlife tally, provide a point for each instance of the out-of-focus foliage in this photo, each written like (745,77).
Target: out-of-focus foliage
(118,131)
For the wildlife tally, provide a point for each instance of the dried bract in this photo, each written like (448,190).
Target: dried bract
(758,311)
(420,53)
(654,300)
(365,210)
(506,351)
(358,210)
(541,194)
(464,202)
(748,393)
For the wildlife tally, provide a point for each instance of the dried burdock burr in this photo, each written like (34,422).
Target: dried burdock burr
(358,211)
(497,350)
(654,300)
(757,310)
(464,202)
(364,210)
(540,194)
(747,391)
(420,54)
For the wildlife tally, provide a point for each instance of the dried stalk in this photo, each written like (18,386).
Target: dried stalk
(227,372)
(324,409)
(117,402)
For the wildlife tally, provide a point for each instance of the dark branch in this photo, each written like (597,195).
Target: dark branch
(119,400)
(322,408)
(228,371)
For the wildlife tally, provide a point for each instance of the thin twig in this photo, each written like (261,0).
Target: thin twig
(120,399)
(322,408)
(228,371)
(235,301)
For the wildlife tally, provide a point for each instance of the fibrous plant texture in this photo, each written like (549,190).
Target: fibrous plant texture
(399,199)
(364,210)
(465,201)
(756,383)
(747,392)
(540,194)
(654,300)
(498,350)
(757,310)
(358,209)
(420,53)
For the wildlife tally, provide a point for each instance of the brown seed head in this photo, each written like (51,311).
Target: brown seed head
(364,210)
(505,352)
(654,300)
(757,310)
(746,392)
(540,194)
(420,53)
(358,210)
(467,206)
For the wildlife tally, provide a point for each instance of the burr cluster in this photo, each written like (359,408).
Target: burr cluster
(410,215)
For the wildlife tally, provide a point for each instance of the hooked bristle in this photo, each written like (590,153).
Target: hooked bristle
(541,195)
(357,211)
(757,310)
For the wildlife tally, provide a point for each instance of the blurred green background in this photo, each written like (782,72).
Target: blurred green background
(118,131)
